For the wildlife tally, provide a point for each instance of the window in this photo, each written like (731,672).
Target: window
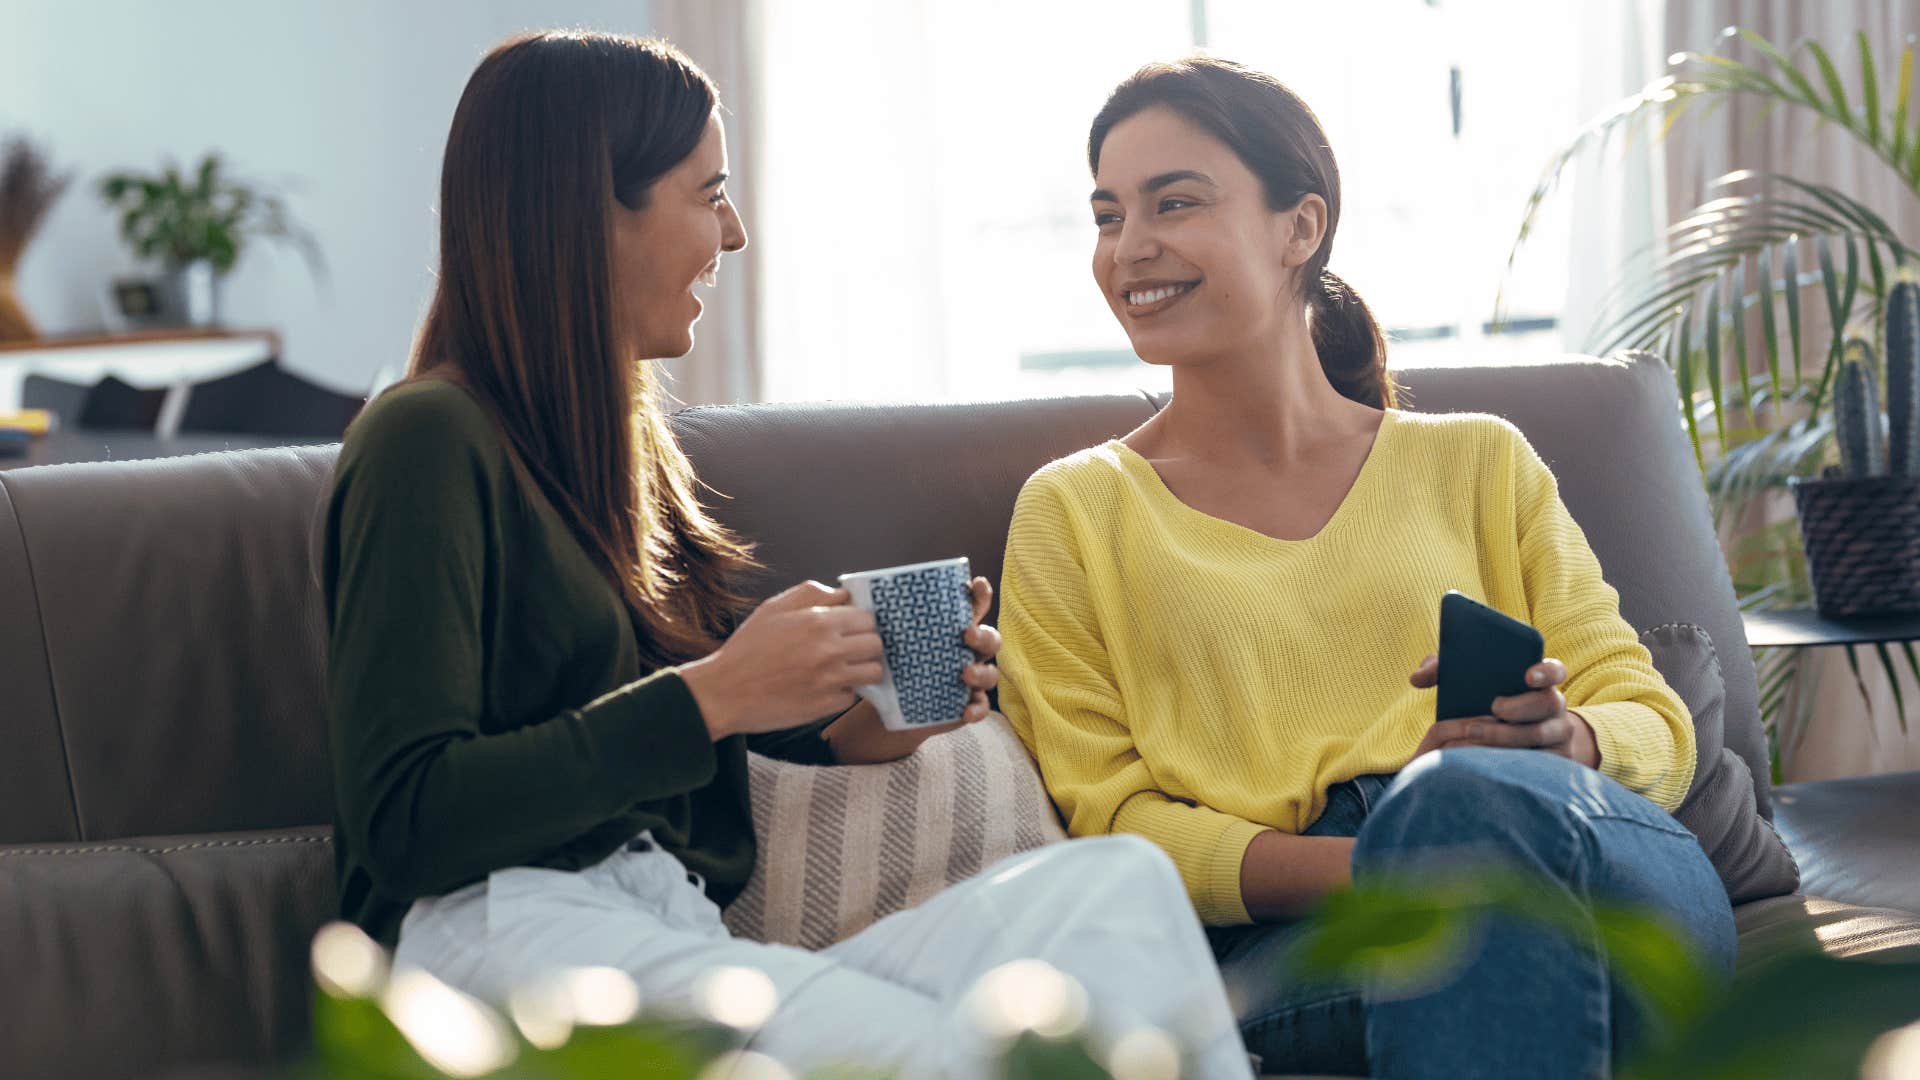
(924,229)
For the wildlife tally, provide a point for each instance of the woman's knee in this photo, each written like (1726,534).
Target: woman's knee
(1476,781)
(1492,801)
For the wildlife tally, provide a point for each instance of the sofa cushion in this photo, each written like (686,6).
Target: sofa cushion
(1719,808)
(842,847)
(1783,924)
(181,644)
(125,957)
(1857,839)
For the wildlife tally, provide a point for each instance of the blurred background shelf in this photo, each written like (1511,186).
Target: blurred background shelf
(146,357)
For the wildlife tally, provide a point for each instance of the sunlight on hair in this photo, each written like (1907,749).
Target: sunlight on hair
(346,962)
(1144,1054)
(1027,995)
(451,1031)
(1893,1056)
(739,997)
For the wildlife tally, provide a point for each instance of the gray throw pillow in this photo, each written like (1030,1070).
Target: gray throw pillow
(1719,807)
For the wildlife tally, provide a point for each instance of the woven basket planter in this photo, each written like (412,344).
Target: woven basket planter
(1862,539)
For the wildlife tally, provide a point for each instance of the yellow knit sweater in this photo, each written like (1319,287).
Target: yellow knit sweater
(1194,681)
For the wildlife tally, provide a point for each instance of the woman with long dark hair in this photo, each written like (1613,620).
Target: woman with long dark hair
(540,702)
(1210,622)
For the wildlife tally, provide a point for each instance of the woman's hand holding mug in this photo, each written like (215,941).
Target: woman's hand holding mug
(797,658)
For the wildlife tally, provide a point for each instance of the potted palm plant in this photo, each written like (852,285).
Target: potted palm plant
(1733,292)
(197,225)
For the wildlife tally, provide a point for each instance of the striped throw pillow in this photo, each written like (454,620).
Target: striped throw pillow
(844,846)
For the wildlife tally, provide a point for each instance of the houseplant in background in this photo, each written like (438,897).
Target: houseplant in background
(1860,521)
(197,225)
(1727,290)
(28,189)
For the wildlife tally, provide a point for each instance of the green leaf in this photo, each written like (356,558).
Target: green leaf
(1738,313)
(1683,374)
(1808,95)
(1768,333)
(1713,364)
(1913,665)
(1790,264)
(1836,90)
(1859,681)
(1869,88)
(1902,88)
(1893,680)
(1761,1026)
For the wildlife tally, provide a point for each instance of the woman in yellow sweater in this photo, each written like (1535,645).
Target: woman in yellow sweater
(1210,623)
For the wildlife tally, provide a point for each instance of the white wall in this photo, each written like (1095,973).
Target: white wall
(349,98)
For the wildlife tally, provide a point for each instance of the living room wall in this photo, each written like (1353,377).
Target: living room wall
(350,100)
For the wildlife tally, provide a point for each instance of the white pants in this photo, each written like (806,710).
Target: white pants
(1110,911)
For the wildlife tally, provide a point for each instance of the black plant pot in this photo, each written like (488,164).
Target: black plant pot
(1862,539)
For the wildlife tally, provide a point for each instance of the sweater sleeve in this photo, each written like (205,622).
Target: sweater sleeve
(429,798)
(1059,693)
(1643,729)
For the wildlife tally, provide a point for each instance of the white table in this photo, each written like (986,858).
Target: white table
(146,359)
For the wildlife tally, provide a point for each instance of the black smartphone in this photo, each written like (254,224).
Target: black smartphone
(1484,654)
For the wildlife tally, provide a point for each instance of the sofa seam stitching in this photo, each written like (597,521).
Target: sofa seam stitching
(90,849)
(46,653)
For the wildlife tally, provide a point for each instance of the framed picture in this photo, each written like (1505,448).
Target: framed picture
(137,304)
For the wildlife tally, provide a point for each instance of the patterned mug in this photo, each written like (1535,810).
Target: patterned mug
(923,611)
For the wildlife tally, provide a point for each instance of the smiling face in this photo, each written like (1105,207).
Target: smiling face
(1190,258)
(673,243)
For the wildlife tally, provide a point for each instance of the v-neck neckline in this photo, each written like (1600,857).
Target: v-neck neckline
(1156,485)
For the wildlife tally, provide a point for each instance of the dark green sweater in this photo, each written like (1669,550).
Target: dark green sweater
(485,696)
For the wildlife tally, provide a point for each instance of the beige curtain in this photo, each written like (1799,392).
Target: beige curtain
(722,37)
(1845,736)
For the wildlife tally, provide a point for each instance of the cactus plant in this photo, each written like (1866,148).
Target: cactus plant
(1903,384)
(1856,413)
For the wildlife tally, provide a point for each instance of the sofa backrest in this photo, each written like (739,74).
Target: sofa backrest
(162,639)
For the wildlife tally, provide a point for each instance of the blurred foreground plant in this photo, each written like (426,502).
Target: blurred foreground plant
(1804,1014)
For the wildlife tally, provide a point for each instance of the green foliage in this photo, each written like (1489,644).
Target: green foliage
(1803,1014)
(1733,277)
(1903,387)
(179,218)
(1856,413)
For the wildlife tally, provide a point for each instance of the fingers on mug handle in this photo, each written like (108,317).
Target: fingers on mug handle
(980,591)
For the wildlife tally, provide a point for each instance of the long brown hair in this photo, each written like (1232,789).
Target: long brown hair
(1280,140)
(552,128)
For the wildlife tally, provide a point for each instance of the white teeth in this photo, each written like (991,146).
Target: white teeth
(710,276)
(1154,296)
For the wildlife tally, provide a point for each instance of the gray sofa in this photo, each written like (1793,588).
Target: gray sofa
(164,794)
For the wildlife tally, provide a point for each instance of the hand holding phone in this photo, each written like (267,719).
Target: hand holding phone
(1484,654)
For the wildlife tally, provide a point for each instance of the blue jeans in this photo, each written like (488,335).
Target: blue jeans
(1530,1002)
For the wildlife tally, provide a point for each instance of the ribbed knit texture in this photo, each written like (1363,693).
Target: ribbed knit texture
(1195,681)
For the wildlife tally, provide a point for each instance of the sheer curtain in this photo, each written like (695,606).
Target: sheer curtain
(724,38)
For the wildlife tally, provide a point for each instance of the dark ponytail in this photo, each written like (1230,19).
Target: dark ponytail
(1280,140)
(1353,351)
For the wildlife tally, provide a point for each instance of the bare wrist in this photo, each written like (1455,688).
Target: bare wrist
(704,681)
